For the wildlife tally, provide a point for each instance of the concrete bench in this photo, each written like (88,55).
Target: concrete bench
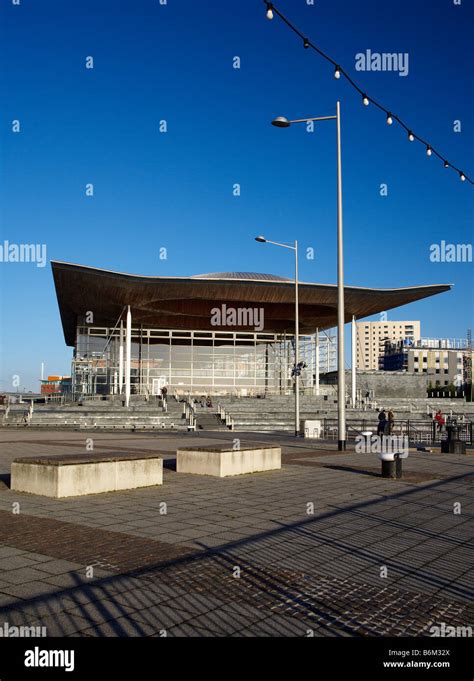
(75,475)
(225,461)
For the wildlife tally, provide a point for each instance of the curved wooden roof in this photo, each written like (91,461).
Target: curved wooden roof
(186,302)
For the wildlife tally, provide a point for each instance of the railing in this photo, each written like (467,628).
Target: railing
(417,430)
(225,417)
(189,412)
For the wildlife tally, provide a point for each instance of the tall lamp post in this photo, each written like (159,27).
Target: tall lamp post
(262,240)
(282,122)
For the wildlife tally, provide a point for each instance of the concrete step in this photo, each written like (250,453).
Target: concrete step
(209,422)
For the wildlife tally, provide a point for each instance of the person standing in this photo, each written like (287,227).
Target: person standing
(391,419)
(164,398)
(382,417)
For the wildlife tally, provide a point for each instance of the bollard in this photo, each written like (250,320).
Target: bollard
(367,435)
(392,469)
(392,464)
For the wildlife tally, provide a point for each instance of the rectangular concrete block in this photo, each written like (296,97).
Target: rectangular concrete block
(77,479)
(223,462)
(143,472)
(34,478)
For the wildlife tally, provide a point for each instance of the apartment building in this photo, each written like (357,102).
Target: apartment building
(372,336)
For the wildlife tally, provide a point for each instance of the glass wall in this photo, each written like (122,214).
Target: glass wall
(190,361)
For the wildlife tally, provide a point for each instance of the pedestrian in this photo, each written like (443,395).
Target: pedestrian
(382,417)
(391,419)
(440,420)
(164,398)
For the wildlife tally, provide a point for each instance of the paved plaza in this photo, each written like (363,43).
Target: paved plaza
(323,547)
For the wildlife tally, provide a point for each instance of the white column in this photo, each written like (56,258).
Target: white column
(128,356)
(354,360)
(121,358)
(316,362)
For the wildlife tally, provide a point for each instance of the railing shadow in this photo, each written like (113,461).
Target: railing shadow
(188,590)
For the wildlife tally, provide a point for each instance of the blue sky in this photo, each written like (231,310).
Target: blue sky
(174,62)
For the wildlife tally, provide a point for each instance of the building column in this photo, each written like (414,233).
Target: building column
(128,356)
(120,386)
(316,362)
(354,360)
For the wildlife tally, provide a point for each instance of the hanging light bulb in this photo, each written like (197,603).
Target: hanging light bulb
(446,164)
(428,150)
(462,176)
(389,119)
(269,11)
(365,100)
(337,72)
(306,43)
(411,136)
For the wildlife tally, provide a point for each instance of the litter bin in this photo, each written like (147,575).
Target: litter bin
(453,443)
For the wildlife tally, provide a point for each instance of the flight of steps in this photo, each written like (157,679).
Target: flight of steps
(207,419)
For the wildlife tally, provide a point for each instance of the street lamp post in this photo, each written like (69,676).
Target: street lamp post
(282,122)
(262,240)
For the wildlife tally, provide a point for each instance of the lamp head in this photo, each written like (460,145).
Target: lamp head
(260,239)
(281,122)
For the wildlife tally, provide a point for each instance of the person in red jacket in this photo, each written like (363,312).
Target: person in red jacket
(439,418)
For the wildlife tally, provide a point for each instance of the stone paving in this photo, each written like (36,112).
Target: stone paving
(325,546)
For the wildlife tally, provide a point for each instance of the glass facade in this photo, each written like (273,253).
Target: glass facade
(207,362)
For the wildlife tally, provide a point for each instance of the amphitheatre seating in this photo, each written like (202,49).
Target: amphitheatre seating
(276,413)
(101,415)
(76,474)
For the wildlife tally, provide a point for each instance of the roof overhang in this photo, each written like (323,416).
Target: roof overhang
(187,302)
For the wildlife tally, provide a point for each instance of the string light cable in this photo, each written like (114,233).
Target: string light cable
(366,99)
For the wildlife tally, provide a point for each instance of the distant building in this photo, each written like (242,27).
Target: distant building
(443,361)
(56,385)
(372,337)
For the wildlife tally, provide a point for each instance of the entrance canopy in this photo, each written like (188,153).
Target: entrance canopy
(190,302)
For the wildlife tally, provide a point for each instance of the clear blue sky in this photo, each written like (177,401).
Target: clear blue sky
(174,190)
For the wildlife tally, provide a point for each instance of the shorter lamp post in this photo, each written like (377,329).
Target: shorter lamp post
(297,368)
